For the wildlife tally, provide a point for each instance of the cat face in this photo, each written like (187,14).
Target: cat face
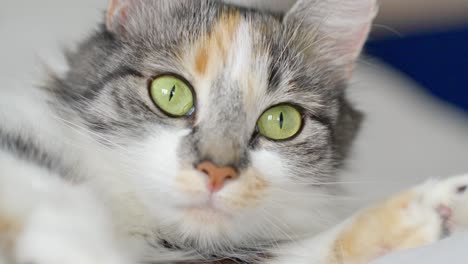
(228,124)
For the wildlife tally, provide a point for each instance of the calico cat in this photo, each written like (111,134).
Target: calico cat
(184,131)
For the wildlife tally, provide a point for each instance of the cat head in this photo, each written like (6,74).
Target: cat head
(228,124)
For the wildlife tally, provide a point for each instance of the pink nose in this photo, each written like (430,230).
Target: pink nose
(217,176)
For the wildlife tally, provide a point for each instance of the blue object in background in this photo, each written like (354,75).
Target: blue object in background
(438,61)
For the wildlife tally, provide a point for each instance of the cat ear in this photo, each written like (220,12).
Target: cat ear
(117,14)
(332,29)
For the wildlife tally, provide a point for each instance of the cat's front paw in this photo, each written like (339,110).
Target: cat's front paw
(449,197)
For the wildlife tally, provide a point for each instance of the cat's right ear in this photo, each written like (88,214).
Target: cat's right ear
(117,15)
(334,30)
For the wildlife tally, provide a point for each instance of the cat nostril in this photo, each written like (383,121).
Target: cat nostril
(462,189)
(217,176)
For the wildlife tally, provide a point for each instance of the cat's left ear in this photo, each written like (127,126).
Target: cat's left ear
(117,14)
(332,30)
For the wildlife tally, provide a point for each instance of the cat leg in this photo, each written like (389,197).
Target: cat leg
(45,220)
(414,218)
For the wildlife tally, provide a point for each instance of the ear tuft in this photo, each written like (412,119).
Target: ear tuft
(338,28)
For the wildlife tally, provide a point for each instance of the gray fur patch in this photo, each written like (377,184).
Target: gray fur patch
(26,149)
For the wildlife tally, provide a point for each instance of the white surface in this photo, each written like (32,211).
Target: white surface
(450,251)
(407,136)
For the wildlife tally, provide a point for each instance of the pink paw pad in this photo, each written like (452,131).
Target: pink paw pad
(445,214)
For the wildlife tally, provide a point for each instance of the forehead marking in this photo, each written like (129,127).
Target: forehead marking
(213,48)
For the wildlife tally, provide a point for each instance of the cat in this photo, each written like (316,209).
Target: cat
(184,131)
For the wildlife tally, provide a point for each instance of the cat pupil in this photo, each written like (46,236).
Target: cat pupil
(171,95)
(281,120)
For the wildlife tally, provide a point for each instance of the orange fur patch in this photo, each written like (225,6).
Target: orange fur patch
(8,226)
(252,187)
(9,230)
(377,231)
(201,60)
(214,47)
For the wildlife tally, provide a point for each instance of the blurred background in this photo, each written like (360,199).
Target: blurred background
(417,106)
(427,40)
(412,84)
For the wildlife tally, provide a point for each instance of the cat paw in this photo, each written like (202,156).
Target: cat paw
(449,199)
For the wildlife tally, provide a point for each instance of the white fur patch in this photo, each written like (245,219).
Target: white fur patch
(58,223)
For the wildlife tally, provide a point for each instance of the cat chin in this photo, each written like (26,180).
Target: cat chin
(204,229)
(206,221)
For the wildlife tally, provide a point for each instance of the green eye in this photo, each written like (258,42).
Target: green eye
(172,95)
(280,122)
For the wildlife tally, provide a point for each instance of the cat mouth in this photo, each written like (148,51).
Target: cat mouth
(206,209)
